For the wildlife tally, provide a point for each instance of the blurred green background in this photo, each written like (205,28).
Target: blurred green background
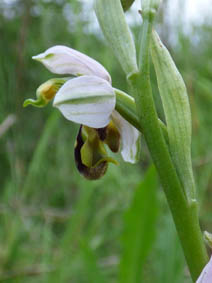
(54,225)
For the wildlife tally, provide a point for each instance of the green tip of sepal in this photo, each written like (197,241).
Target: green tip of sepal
(42,57)
(40,102)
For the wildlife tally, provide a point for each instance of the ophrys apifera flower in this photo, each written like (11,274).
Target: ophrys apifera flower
(87,98)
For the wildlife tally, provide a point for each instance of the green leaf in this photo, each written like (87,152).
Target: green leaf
(114,26)
(177,111)
(140,227)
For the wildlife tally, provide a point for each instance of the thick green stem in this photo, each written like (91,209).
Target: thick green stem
(185,218)
(125,105)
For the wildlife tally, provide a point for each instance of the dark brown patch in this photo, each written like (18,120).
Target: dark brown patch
(102,132)
(93,173)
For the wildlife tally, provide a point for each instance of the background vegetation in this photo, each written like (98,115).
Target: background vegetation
(54,225)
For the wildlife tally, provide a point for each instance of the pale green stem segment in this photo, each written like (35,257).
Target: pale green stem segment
(184,215)
(112,20)
(125,105)
(177,111)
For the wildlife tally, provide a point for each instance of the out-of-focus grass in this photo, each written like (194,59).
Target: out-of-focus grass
(56,226)
(139,229)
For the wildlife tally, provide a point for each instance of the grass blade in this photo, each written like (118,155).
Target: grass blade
(140,225)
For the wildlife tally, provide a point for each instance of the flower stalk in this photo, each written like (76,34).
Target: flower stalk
(125,105)
(184,214)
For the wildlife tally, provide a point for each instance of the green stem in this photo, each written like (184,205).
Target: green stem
(125,105)
(185,218)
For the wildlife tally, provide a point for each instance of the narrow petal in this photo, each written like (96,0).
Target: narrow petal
(86,100)
(206,275)
(46,92)
(130,138)
(64,60)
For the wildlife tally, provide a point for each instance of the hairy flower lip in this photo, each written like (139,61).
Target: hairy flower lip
(92,173)
(61,59)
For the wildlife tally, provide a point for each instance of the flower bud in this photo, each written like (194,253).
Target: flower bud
(62,60)
(126,4)
(149,7)
(46,92)
(90,155)
(177,112)
(112,20)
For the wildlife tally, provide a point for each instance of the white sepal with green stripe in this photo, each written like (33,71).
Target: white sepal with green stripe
(87,100)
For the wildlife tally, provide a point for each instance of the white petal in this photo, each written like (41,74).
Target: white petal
(86,100)
(64,60)
(130,138)
(206,275)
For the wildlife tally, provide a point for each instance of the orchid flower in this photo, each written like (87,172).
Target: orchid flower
(88,98)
